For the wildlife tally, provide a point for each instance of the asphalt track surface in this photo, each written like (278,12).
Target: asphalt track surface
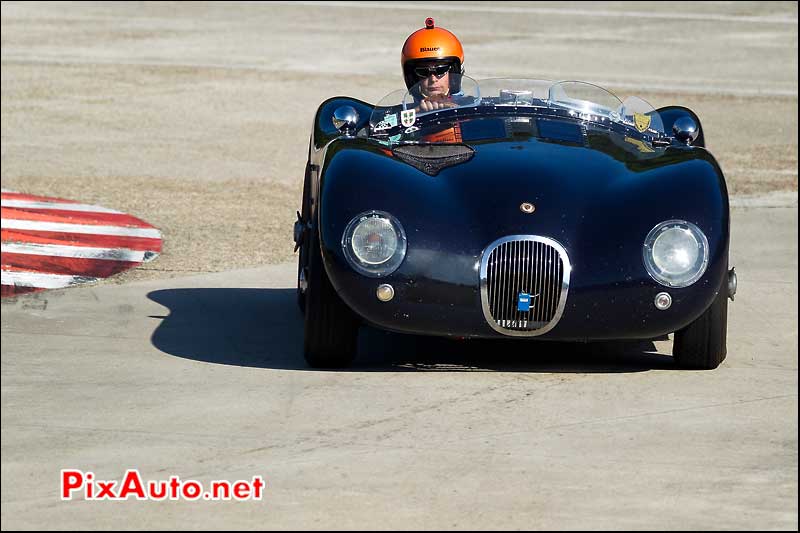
(196,369)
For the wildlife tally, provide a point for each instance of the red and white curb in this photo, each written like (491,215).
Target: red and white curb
(51,243)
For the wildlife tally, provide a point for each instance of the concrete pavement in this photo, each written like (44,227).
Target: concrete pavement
(203,377)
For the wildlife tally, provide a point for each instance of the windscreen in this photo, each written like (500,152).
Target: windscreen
(441,103)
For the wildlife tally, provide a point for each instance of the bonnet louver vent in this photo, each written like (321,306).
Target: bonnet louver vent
(432,158)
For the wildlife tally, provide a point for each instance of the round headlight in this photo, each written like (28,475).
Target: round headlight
(676,253)
(374,244)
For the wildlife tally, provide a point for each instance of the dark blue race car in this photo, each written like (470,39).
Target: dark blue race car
(523,209)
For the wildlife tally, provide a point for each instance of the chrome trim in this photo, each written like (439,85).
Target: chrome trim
(562,295)
(302,282)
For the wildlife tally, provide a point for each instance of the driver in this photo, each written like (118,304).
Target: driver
(433,58)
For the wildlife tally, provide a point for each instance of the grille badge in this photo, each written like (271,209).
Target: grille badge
(525,301)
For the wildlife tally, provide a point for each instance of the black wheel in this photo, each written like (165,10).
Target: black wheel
(331,328)
(302,260)
(702,344)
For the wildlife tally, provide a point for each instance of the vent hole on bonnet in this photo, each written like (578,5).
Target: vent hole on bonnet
(432,158)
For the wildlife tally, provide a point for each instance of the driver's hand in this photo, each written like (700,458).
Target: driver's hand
(432,103)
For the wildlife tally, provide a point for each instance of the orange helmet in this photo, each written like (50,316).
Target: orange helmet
(430,45)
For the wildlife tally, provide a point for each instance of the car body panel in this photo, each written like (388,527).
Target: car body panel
(598,195)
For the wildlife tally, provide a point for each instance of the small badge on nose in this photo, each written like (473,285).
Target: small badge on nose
(524,302)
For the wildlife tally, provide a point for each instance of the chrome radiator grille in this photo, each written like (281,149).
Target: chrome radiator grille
(520,265)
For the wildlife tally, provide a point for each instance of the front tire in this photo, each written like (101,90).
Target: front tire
(331,328)
(702,345)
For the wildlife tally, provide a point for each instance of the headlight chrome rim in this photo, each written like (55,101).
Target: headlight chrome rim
(358,261)
(691,274)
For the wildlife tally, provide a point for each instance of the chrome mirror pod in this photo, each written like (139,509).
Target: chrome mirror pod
(685,130)
(345,119)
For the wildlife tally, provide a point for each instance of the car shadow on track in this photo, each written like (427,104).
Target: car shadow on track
(263,328)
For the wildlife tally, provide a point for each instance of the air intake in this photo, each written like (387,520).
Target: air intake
(432,158)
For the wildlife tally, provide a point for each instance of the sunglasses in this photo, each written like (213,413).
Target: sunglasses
(437,70)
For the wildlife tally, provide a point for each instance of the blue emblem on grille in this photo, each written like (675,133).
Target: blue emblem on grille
(524,302)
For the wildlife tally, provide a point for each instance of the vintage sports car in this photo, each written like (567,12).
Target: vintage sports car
(520,209)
